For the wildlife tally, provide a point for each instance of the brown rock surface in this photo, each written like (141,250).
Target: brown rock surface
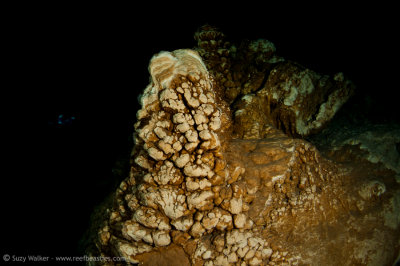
(218,179)
(269,89)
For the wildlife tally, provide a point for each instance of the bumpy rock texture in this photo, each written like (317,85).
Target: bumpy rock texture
(218,176)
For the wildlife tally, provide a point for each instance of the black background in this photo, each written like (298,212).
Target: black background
(91,63)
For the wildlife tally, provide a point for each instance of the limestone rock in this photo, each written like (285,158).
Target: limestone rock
(269,90)
(218,179)
(377,143)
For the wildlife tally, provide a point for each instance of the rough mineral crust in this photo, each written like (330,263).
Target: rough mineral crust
(377,143)
(217,178)
(270,90)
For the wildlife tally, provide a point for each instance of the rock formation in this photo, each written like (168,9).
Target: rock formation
(294,99)
(218,176)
